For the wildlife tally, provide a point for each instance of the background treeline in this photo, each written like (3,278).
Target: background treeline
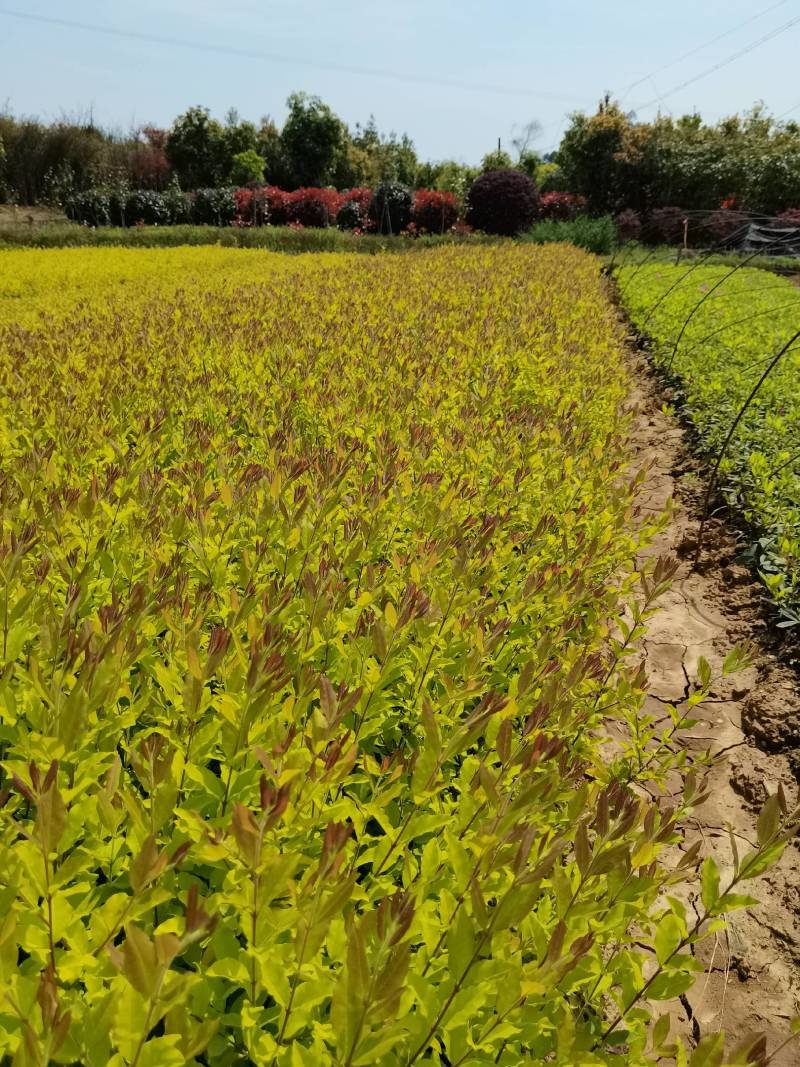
(618,165)
(48,163)
(750,161)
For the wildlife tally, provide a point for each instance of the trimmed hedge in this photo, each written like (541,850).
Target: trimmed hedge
(147,208)
(503,202)
(598,235)
(214,207)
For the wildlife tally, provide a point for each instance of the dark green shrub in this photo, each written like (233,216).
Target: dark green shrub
(90,208)
(148,207)
(595,235)
(214,207)
(390,209)
(350,216)
(502,202)
(179,205)
(354,210)
(117,206)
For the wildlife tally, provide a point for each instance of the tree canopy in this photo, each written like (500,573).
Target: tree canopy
(618,162)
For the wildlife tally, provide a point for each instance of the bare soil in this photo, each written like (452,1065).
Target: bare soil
(29,216)
(752,980)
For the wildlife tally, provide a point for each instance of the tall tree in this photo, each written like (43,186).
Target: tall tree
(589,154)
(194,148)
(313,140)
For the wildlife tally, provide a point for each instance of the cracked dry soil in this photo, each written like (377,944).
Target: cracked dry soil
(752,979)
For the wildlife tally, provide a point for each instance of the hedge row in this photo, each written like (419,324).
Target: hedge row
(392,208)
(289,239)
(500,202)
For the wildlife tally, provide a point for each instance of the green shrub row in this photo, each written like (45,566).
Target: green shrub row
(270,238)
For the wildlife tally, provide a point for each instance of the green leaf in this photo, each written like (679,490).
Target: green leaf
(670,984)
(162,1052)
(769,819)
(130,1013)
(704,672)
(460,944)
(138,961)
(668,937)
(759,860)
(709,880)
(710,1052)
(660,1031)
(51,818)
(424,777)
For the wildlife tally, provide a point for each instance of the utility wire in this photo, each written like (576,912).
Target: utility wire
(680,59)
(700,47)
(722,63)
(710,70)
(249,53)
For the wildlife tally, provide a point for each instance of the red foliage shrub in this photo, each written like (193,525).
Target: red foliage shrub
(629,225)
(434,211)
(148,164)
(562,207)
(666,224)
(278,205)
(361,195)
(790,217)
(252,207)
(722,224)
(313,207)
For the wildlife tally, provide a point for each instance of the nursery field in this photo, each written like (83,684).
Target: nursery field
(313,573)
(719,353)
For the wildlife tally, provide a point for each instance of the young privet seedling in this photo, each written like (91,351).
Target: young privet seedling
(322,740)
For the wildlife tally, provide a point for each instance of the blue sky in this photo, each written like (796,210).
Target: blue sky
(538,59)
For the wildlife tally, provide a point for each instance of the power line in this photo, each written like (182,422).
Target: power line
(717,66)
(710,70)
(722,63)
(700,47)
(249,53)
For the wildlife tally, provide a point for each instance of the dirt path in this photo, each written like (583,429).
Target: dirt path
(752,981)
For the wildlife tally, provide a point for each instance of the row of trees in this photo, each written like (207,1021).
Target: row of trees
(610,158)
(750,161)
(314,147)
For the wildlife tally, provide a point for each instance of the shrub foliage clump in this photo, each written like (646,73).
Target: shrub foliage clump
(434,211)
(390,207)
(314,576)
(503,202)
(213,207)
